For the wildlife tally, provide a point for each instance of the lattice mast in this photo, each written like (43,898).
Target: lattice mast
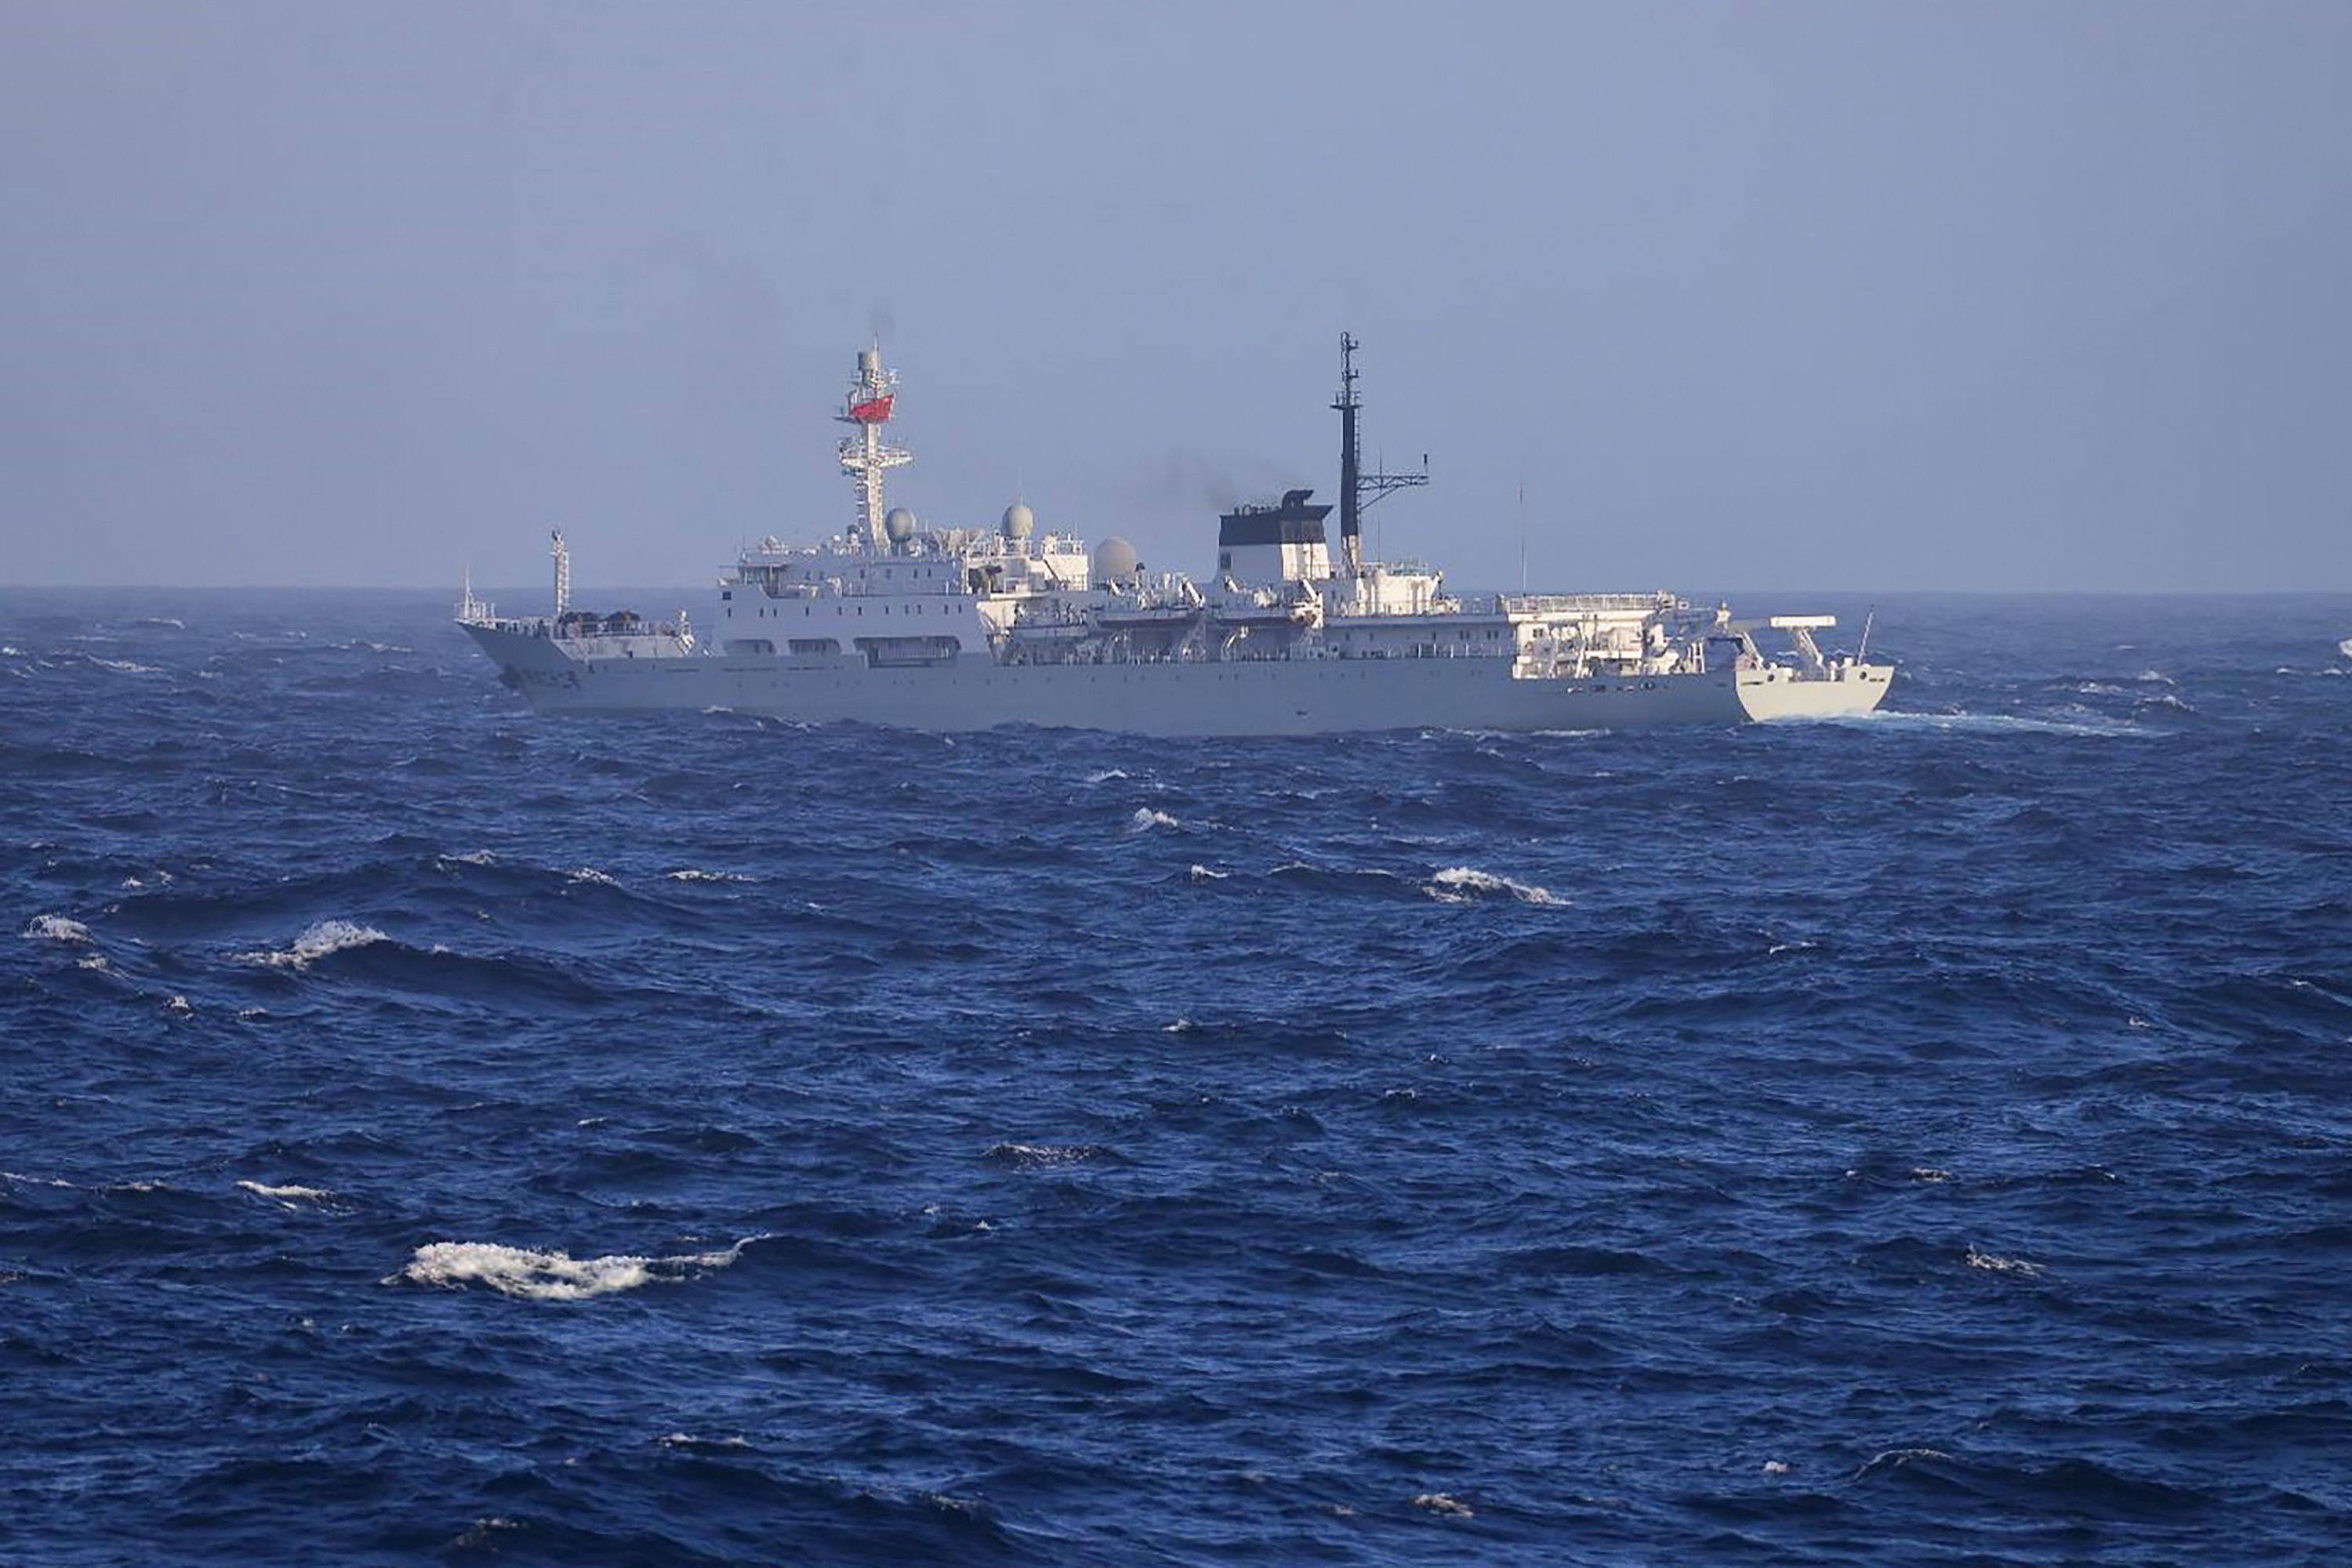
(872,394)
(1357,489)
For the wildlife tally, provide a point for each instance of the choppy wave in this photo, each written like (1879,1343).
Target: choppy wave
(323,939)
(57,928)
(1999,1265)
(1461,884)
(1145,819)
(289,1194)
(553,1275)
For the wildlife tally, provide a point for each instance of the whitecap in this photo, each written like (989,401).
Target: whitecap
(287,1195)
(317,942)
(7,651)
(2016,1266)
(1042,1153)
(691,874)
(125,666)
(470,857)
(1106,776)
(1443,1504)
(688,1440)
(1460,884)
(590,874)
(1203,874)
(551,1276)
(57,928)
(1145,819)
(90,961)
(1929,1174)
(178,1006)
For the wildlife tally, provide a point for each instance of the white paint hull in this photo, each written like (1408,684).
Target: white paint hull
(1284,697)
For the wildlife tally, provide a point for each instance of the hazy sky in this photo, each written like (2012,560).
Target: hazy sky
(1838,295)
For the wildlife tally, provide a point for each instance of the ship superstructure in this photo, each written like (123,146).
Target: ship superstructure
(962,627)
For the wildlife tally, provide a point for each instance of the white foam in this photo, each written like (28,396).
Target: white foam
(8,652)
(1460,884)
(57,928)
(1444,1505)
(688,1440)
(317,942)
(2016,1266)
(90,961)
(125,666)
(1963,724)
(692,874)
(1043,1153)
(178,1006)
(590,874)
(1145,819)
(551,1276)
(287,1195)
(1106,776)
(1929,1174)
(1203,874)
(471,858)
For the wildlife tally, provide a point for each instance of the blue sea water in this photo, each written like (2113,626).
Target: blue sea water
(433,1133)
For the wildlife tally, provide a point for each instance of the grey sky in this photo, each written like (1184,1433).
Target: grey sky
(1839,296)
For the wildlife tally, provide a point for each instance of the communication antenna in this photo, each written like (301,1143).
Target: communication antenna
(1523,538)
(1863,652)
(1357,489)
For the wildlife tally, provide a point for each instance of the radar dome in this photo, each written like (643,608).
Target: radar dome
(1116,561)
(899,525)
(1020,522)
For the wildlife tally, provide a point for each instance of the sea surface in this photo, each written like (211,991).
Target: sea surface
(438,1134)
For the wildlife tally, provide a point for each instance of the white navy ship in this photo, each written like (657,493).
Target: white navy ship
(966,628)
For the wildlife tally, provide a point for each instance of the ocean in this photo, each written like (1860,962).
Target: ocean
(433,1133)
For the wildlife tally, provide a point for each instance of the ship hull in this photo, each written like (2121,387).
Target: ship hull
(1274,697)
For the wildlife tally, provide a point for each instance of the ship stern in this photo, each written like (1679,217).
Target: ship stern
(1845,690)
